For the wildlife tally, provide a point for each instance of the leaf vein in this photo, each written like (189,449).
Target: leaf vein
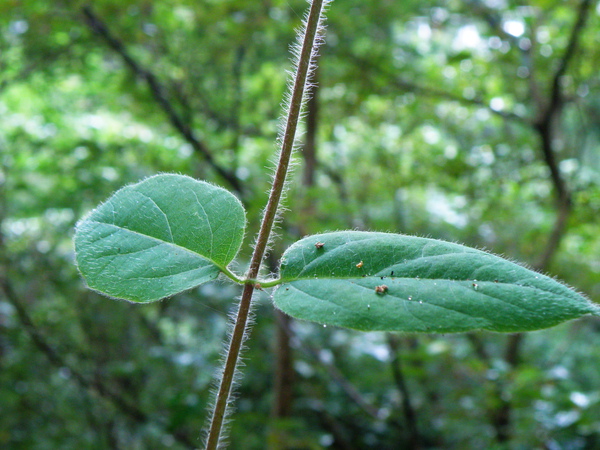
(162,212)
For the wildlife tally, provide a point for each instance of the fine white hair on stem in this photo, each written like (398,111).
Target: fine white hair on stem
(214,389)
(305,51)
(296,51)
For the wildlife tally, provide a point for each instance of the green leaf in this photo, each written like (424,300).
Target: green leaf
(159,237)
(425,285)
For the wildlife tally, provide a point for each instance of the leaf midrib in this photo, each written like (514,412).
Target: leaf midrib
(424,279)
(220,266)
(405,302)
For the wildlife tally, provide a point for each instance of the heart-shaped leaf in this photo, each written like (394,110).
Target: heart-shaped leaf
(379,281)
(159,237)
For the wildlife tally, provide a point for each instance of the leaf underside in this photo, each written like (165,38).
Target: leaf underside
(388,282)
(161,236)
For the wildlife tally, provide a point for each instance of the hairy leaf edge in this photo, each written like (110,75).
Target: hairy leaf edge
(222,269)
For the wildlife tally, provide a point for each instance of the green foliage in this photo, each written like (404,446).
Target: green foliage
(389,282)
(170,233)
(156,238)
(407,142)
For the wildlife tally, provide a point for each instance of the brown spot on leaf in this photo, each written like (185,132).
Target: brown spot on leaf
(382,289)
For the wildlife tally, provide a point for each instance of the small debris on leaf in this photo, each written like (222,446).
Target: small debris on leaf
(381,289)
(360,264)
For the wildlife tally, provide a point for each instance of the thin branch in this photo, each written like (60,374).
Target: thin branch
(345,385)
(158,92)
(557,94)
(410,416)
(305,60)
(545,126)
(478,346)
(549,114)
(284,376)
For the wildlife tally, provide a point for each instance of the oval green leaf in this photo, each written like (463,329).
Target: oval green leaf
(161,236)
(389,282)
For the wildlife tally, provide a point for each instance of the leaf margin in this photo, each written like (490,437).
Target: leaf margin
(308,243)
(221,268)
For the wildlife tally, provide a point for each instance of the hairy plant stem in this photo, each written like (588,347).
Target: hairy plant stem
(304,64)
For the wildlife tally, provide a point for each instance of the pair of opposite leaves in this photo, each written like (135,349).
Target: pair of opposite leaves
(170,233)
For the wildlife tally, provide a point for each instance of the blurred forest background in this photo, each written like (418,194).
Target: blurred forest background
(475,121)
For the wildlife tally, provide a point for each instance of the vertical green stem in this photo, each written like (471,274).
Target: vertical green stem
(304,64)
